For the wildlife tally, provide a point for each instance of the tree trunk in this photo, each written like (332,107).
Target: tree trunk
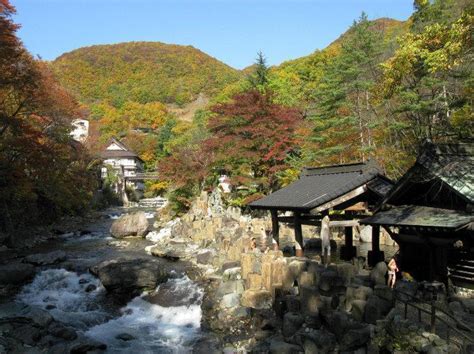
(361,127)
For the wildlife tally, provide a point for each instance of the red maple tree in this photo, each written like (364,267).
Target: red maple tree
(252,137)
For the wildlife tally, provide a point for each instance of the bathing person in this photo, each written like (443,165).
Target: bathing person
(325,240)
(392,272)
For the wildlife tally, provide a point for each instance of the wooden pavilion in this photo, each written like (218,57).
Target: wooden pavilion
(351,189)
(429,213)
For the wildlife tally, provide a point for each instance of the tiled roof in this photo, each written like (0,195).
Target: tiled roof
(421,216)
(318,186)
(117,154)
(126,152)
(453,164)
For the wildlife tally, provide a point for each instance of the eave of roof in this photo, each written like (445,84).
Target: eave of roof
(420,216)
(452,164)
(318,186)
(114,154)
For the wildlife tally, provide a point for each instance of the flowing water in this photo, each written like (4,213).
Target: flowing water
(166,320)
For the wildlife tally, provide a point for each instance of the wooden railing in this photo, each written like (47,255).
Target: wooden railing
(142,176)
(434,316)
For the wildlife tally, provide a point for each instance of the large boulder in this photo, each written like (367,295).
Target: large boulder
(318,341)
(34,315)
(16,273)
(362,292)
(59,330)
(337,322)
(281,347)
(358,309)
(85,345)
(134,224)
(230,300)
(257,299)
(251,262)
(355,338)
(376,309)
(384,292)
(377,275)
(296,267)
(130,276)
(347,272)
(310,300)
(166,253)
(46,258)
(205,256)
(230,287)
(292,322)
(330,281)
(232,274)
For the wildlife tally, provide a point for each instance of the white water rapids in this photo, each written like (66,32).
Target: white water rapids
(149,327)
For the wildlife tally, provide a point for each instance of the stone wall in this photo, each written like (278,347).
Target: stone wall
(311,307)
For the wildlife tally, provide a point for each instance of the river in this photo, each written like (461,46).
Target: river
(146,324)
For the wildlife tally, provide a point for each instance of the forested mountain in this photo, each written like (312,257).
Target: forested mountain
(377,92)
(141,72)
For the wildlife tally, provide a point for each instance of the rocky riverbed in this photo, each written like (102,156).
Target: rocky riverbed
(144,284)
(85,290)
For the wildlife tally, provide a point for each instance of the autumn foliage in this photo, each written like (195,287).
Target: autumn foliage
(252,137)
(43,173)
(141,72)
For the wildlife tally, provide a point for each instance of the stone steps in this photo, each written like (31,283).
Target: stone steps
(461,269)
(153,202)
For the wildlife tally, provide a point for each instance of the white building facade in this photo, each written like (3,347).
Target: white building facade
(80,130)
(124,162)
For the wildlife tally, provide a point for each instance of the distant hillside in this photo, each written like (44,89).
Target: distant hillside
(142,72)
(389,27)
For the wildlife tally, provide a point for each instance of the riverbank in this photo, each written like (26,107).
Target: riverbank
(193,285)
(66,282)
(271,301)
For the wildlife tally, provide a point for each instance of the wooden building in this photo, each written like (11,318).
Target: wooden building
(124,162)
(352,189)
(429,213)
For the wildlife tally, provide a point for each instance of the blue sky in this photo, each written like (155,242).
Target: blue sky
(232,31)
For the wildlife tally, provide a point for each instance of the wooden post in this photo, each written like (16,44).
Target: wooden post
(375,255)
(433,318)
(348,236)
(275,227)
(348,251)
(433,261)
(376,238)
(298,234)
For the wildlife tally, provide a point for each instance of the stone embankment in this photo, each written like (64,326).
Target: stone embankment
(257,300)
(260,300)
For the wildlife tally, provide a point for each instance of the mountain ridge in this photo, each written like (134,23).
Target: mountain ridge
(149,71)
(141,72)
